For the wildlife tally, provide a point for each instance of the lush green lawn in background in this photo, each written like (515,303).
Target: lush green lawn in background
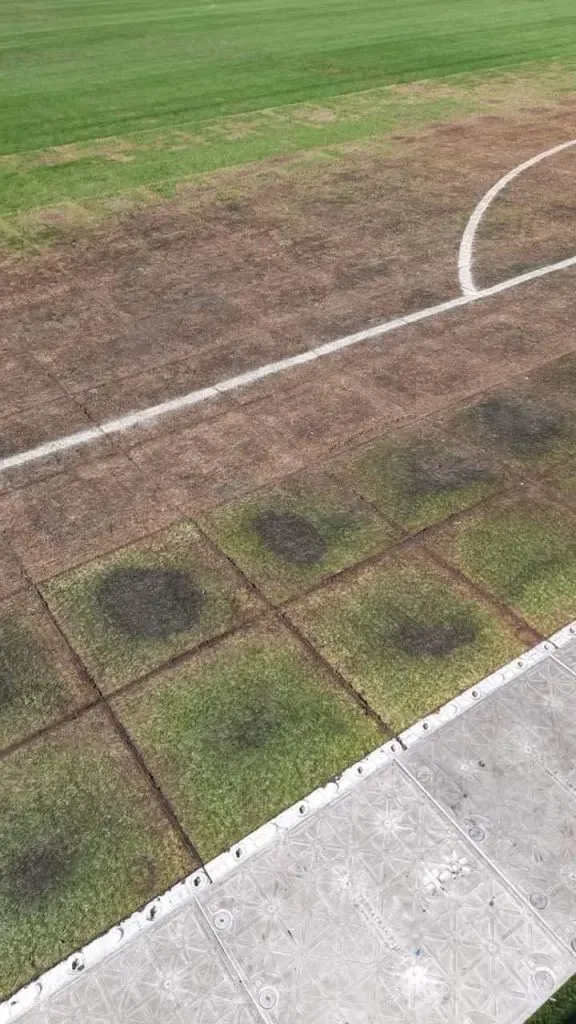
(81,69)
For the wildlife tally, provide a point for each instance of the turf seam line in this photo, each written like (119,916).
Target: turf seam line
(123,735)
(192,398)
(466,250)
(280,616)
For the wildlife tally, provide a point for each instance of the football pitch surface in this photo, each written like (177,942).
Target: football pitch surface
(284,465)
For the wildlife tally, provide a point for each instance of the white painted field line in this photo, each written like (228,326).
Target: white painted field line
(181,402)
(466,251)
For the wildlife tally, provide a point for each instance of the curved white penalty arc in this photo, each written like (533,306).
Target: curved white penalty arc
(466,251)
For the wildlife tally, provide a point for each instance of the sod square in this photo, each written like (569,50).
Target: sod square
(405,636)
(289,538)
(38,682)
(417,480)
(523,552)
(82,845)
(531,425)
(243,730)
(129,612)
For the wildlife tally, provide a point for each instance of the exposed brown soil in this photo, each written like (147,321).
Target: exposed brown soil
(290,537)
(150,603)
(426,640)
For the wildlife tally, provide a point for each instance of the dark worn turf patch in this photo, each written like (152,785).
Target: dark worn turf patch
(417,481)
(523,426)
(405,636)
(422,639)
(290,536)
(38,683)
(532,424)
(82,845)
(287,539)
(38,870)
(150,603)
(127,613)
(522,551)
(241,732)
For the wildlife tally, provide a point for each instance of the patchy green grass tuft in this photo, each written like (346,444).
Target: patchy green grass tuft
(127,613)
(405,636)
(525,553)
(287,539)
(243,731)
(81,846)
(417,482)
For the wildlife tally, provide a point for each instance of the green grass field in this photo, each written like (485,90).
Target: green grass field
(73,70)
(100,99)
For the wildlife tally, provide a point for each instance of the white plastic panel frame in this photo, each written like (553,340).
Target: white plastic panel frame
(465,700)
(58,977)
(226,862)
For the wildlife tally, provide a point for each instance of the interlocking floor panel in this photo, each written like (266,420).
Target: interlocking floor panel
(376,909)
(504,772)
(173,973)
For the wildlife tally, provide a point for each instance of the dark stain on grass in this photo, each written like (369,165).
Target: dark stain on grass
(428,474)
(290,536)
(37,871)
(248,727)
(523,426)
(433,639)
(149,602)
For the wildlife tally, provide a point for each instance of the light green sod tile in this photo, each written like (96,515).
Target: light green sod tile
(38,683)
(290,537)
(418,481)
(405,636)
(532,425)
(132,611)
(82,845)
(243,731)
(523,552)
